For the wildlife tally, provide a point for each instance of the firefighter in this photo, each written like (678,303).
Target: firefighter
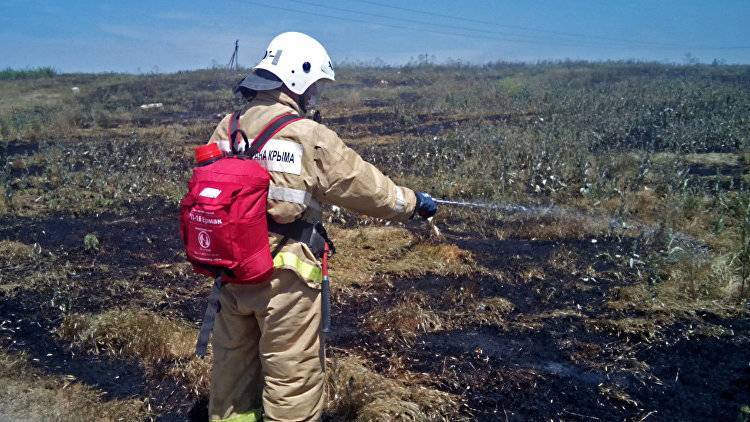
(268,354)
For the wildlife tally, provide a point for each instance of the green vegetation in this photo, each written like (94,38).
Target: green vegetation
(40,72)
(91,242)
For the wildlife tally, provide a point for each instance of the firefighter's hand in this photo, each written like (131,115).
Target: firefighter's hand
(426,206)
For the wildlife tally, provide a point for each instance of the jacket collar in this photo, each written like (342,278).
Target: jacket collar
(277,96)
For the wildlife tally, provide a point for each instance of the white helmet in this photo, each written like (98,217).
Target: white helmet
(296,59)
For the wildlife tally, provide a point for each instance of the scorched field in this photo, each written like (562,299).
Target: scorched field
(620,291)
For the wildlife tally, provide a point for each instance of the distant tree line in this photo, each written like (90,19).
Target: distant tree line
(10,74)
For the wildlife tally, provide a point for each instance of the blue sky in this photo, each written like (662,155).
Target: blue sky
(146,36)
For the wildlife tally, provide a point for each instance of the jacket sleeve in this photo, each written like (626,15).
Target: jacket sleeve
(345,179)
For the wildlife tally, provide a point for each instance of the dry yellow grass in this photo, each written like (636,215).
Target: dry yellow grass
(146,336)
(132,332)
(405,320)
(369,252)
(30,395)
(171,270)
(648,329)
(488,311)
(363,251)
(355,392)
(15,255)
(710,158)
(439,259)
(24,94)
(690,285)
(12,251)
(413,315)
(534,322)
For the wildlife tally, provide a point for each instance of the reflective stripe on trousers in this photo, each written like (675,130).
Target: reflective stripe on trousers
(251,416)
(292,262)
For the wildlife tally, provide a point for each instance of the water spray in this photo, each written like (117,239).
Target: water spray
(562,212)
(484,205)
(550,210)
(510,208)
(506,208)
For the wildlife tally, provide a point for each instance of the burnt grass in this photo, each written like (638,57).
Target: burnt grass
(549,358)
(560,369)
(390,123)
(77,280)
(29,326)
(531,367)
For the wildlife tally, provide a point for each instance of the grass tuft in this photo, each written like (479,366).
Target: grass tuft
(164,345)
(491,311)
(357,393)
(12,251)
(414,314)
(369,252)
(27,394)
(687,285)
(406,319)
(149,336)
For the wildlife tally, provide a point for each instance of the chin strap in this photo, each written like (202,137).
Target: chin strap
(314,115)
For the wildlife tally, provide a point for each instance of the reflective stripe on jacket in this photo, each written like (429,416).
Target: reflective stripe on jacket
(310,164)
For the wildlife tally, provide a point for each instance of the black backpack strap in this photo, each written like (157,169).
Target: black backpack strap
(214,307)
(323,233)
(233,130)
(272,128)
(209,317)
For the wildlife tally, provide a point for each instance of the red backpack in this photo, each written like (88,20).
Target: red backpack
(223,216)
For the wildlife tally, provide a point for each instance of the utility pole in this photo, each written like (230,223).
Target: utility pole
(233,61)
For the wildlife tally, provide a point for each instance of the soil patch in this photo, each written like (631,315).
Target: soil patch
(144,234)
(28,325)
(11,148)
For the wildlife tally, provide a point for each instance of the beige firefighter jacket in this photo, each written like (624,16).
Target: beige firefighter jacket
(310,164)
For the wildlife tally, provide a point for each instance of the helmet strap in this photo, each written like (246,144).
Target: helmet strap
(309,100)
(309,111)
(314,114)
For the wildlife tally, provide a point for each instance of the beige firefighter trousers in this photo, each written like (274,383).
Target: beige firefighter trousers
(268,351)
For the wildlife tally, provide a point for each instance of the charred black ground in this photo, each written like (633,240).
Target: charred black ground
(511,371)
(32,314)
(519,373)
